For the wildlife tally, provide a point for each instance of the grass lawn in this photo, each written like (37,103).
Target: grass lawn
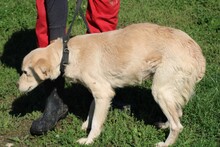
(133,125)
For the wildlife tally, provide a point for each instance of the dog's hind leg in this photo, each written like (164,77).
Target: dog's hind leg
(165,89)
(165,125)
(166,100)
(172,88)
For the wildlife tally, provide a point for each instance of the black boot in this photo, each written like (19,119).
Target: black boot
(55,109)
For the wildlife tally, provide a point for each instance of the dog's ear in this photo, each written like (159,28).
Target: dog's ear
(42,69)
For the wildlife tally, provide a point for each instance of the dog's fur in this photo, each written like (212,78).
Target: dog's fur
(128,56)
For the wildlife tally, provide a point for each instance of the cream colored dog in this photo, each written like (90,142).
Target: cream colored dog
(128,56)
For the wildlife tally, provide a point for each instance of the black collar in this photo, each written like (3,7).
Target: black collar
(65,57)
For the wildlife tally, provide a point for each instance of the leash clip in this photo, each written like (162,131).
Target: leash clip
(65,57)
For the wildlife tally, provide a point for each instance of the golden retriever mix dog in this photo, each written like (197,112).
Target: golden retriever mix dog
(120,58)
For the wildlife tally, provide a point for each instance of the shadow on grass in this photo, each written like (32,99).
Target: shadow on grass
(19,44)
(141,103)
(27,103)
(138,99)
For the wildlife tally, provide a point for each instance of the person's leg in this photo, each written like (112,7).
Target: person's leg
(55,109)
(102,15)
(56,16)
(41,24)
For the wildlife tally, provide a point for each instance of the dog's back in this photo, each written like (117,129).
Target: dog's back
(130,55)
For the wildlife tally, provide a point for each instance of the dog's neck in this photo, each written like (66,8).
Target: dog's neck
(57,48)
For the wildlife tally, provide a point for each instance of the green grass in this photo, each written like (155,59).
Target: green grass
(128,127)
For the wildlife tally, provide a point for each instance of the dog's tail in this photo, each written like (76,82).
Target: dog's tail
(196,68)
(198,71)
(200,61)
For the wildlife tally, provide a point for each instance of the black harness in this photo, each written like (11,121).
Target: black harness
(65,57)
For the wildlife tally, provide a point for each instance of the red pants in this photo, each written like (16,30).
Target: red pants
(41,24)
(101,15)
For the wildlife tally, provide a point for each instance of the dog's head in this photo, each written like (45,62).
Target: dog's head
(37,66)
(35,69)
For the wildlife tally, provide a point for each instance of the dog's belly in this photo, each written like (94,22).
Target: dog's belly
(122,81)
(127,79)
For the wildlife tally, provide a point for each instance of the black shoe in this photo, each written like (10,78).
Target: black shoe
(54,111)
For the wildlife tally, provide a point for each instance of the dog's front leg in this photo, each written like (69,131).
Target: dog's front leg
(100,113)
(103,94)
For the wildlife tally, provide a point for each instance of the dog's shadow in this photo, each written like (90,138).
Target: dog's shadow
(138,99)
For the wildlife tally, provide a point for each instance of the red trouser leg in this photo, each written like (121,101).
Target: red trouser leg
(102,15)
(41,24)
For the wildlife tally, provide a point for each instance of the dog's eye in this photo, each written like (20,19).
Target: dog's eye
(24,72)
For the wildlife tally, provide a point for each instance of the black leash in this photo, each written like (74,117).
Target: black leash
(65,57)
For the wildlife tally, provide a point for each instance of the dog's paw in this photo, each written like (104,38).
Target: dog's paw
(85,141)
(161,144)
(84,126)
